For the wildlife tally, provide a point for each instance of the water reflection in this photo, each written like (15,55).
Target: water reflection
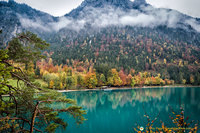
(118,98)
(107,109)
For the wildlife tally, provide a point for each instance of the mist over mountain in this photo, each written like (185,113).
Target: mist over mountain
(96,14)
(16,18)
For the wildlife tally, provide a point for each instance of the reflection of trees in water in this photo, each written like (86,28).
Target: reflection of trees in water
(119,98)
(131,104)
(91,99)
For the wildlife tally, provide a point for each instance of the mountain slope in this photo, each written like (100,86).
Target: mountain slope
(117,34)
(132,35)
(93,14)
(122,4)
(101,13)
(17,17)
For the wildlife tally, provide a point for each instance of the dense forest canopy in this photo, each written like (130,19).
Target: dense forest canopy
(173,53)
(169,50)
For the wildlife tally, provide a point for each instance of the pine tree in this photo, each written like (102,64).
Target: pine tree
(20,110)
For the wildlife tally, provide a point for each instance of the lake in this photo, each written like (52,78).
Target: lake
(119,111)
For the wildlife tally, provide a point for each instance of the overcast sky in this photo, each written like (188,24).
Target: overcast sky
(61,7)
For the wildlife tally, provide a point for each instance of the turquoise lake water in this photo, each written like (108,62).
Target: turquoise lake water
(119,111)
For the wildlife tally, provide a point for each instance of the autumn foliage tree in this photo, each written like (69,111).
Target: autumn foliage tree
(123,77)
(102,80)
(90,80)
(113,78)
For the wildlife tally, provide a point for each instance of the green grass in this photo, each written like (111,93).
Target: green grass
(12,82)
(42,83)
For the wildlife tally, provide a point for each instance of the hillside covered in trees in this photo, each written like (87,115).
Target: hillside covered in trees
(160,51)
(166,46)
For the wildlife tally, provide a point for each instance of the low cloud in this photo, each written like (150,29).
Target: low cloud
(194,24)
(109,16)
(62,22)
(139,20)
(36,24)
(69,23)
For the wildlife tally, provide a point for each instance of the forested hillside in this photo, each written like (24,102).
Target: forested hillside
(173,53)
(104,36)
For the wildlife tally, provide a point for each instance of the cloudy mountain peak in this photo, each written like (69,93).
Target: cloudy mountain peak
(95,14)
(101,3)
(108,1)
(121,4)
(126,4)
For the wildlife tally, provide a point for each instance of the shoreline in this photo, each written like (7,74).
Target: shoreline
(125,88)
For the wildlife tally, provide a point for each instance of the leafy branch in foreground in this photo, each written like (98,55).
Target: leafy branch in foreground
(27,107)
(182,125)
